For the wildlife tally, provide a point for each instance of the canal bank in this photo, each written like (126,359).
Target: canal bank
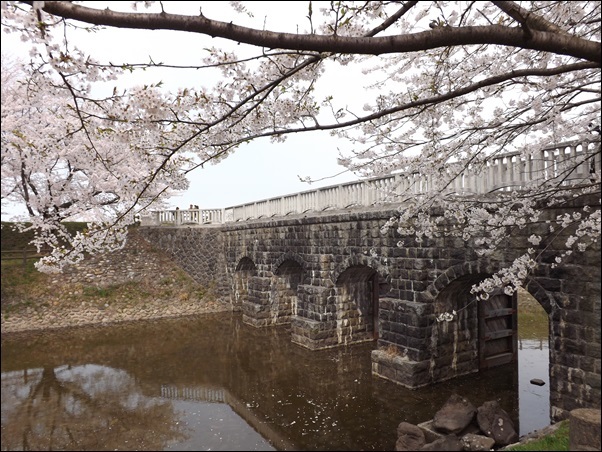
(135,283)
(54,315)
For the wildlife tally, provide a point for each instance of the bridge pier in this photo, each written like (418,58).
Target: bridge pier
(269,301)
(393,366)
(314,326)
(314,334)
(256,308)
(340,315)
(404,348)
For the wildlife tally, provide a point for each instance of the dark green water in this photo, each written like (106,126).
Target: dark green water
(214,383)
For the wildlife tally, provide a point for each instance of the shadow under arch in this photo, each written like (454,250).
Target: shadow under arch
(481,335)
(245,270)
(359,260)
(454,344)
(356,300)
(288,257)
(288,272)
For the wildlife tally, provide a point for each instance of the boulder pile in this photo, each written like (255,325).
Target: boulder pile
(458,425)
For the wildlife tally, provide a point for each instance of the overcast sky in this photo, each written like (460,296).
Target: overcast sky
(257,170)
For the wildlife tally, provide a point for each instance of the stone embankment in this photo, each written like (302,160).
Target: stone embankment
(135,283)
(50,317)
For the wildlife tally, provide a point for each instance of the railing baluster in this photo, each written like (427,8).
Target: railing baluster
(502,172)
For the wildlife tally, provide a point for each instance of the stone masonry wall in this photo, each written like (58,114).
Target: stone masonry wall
(135,261)
(414,282)
(199,251)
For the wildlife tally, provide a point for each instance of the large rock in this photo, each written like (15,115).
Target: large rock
(473,442)
(409,437)
(496,423)
(449,442)
(455,415)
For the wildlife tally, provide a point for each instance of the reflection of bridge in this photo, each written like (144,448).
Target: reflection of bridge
(573,163)
(200,393)
(219,395)
(338,280)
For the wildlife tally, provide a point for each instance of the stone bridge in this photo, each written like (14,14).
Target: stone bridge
(337,280)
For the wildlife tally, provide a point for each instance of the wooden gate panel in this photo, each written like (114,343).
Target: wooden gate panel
(497,331)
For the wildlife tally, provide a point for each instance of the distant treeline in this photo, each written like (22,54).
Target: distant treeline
(14,240)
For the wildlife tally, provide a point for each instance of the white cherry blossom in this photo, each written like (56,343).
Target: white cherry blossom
(455,85)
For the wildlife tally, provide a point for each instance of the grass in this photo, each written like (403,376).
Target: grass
(19,274)
(532,324)
(22,287)
(558,440)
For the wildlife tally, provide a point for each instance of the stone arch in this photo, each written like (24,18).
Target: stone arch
(356,303)
(288,272)
(467,268)
(246,263)
(245,270)
(471,268)
(492,339)
(542,297)
(454,345)
(447,276)
(288,256)
(539,294)
(362,260)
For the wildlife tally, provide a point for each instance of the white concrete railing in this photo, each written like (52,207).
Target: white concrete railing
(182,217)
(504,172)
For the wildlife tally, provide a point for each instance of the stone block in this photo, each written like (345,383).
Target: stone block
(400,369)
(584,429)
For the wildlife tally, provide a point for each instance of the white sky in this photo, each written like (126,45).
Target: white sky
(257,170)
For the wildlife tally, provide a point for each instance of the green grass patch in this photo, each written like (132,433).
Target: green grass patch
(14,240)
(558,440)
(18,274)
(533,324)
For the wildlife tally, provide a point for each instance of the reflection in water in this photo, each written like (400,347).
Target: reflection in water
(215,426)
(211,383)
(80,407)
(534,359)
(534,401)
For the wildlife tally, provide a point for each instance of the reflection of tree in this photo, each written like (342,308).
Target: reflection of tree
(83,408)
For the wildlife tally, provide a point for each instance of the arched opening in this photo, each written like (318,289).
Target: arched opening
(243,273)
(356,300)
(283,299)
(480,336)
(534,363)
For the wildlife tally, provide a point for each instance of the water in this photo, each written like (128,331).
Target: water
(214,383)
(534,401)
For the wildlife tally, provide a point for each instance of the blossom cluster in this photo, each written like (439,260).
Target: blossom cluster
(490,135)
